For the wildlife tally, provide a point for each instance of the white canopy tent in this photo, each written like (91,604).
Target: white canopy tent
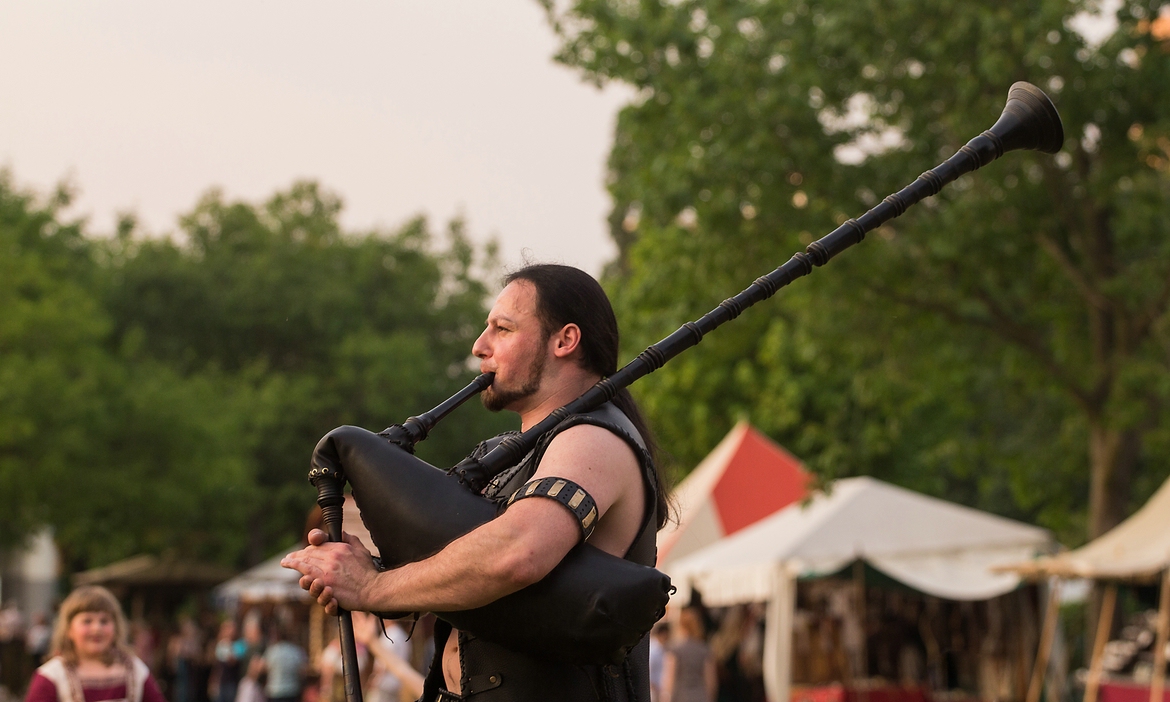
(265,582)
(744,479)
(936,547)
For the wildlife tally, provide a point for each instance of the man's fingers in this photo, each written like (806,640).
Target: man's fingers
(305,562)
(321,564)
(355,542)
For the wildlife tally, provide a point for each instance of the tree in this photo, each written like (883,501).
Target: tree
(1005,343)
(119,457)
(164,395)
(313,326)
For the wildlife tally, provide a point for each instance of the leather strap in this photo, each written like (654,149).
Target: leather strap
(567,493)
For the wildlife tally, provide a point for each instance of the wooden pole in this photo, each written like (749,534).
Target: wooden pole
(1104,624)
(1047,634)
(862,615)
(1157,683)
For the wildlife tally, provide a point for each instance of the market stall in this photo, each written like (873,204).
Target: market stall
(925,545)
(744,479)
(1135,551)
(155,586)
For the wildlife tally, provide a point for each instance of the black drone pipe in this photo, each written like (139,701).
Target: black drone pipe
(592,607)
(416,429)
(1029,121)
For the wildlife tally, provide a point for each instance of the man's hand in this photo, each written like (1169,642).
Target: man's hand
(336,574)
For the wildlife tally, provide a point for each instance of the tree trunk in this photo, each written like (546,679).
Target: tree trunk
(1113,455)
(256,551)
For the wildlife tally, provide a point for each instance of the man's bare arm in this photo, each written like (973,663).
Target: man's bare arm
(505,555)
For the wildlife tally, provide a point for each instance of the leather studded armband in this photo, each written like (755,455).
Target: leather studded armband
(569,494)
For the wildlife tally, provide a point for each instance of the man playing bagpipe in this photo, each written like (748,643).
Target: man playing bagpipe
(550,336)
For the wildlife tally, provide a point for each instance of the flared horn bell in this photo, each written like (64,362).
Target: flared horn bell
(1029,121)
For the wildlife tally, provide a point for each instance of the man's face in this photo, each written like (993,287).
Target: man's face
(513,346)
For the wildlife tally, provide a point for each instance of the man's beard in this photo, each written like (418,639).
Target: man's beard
(496,399)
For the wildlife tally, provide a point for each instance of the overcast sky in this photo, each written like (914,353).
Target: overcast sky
(440,107)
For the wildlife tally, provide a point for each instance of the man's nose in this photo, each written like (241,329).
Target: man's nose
(480,348)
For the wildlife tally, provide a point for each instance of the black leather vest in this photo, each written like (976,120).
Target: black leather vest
(492,673)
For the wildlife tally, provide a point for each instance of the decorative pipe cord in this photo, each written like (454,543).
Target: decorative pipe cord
(331,472)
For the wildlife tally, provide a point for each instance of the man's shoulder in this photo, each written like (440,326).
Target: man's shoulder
(607,417)
(596,440)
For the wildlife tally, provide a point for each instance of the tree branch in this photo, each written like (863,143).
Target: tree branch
(1145,321)
(1003,326)
(1091,294)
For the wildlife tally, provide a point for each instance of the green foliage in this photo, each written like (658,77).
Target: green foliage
(973,349)
(316,327)
(165,394)
(117,456)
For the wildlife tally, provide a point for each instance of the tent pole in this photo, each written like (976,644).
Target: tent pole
(1157,684)
(1047,634)
(1103,627)
(862,614)
(778,636)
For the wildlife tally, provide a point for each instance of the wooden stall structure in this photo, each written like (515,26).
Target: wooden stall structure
(154,586)
(1136,551)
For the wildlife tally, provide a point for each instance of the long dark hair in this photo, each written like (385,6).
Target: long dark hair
(567,295)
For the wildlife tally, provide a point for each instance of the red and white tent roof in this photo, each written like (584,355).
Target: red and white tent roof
(744,479)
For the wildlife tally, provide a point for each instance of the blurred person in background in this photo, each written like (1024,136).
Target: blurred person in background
(284,662)
(250,689)
(36,639)
(144,640)
(252,660)
(394,679)
(11,649)
(185,650)
(91,660)
(688,669)
(659,641)
(253,640)
(227,651)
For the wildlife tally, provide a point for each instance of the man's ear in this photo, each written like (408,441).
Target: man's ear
(565,340)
